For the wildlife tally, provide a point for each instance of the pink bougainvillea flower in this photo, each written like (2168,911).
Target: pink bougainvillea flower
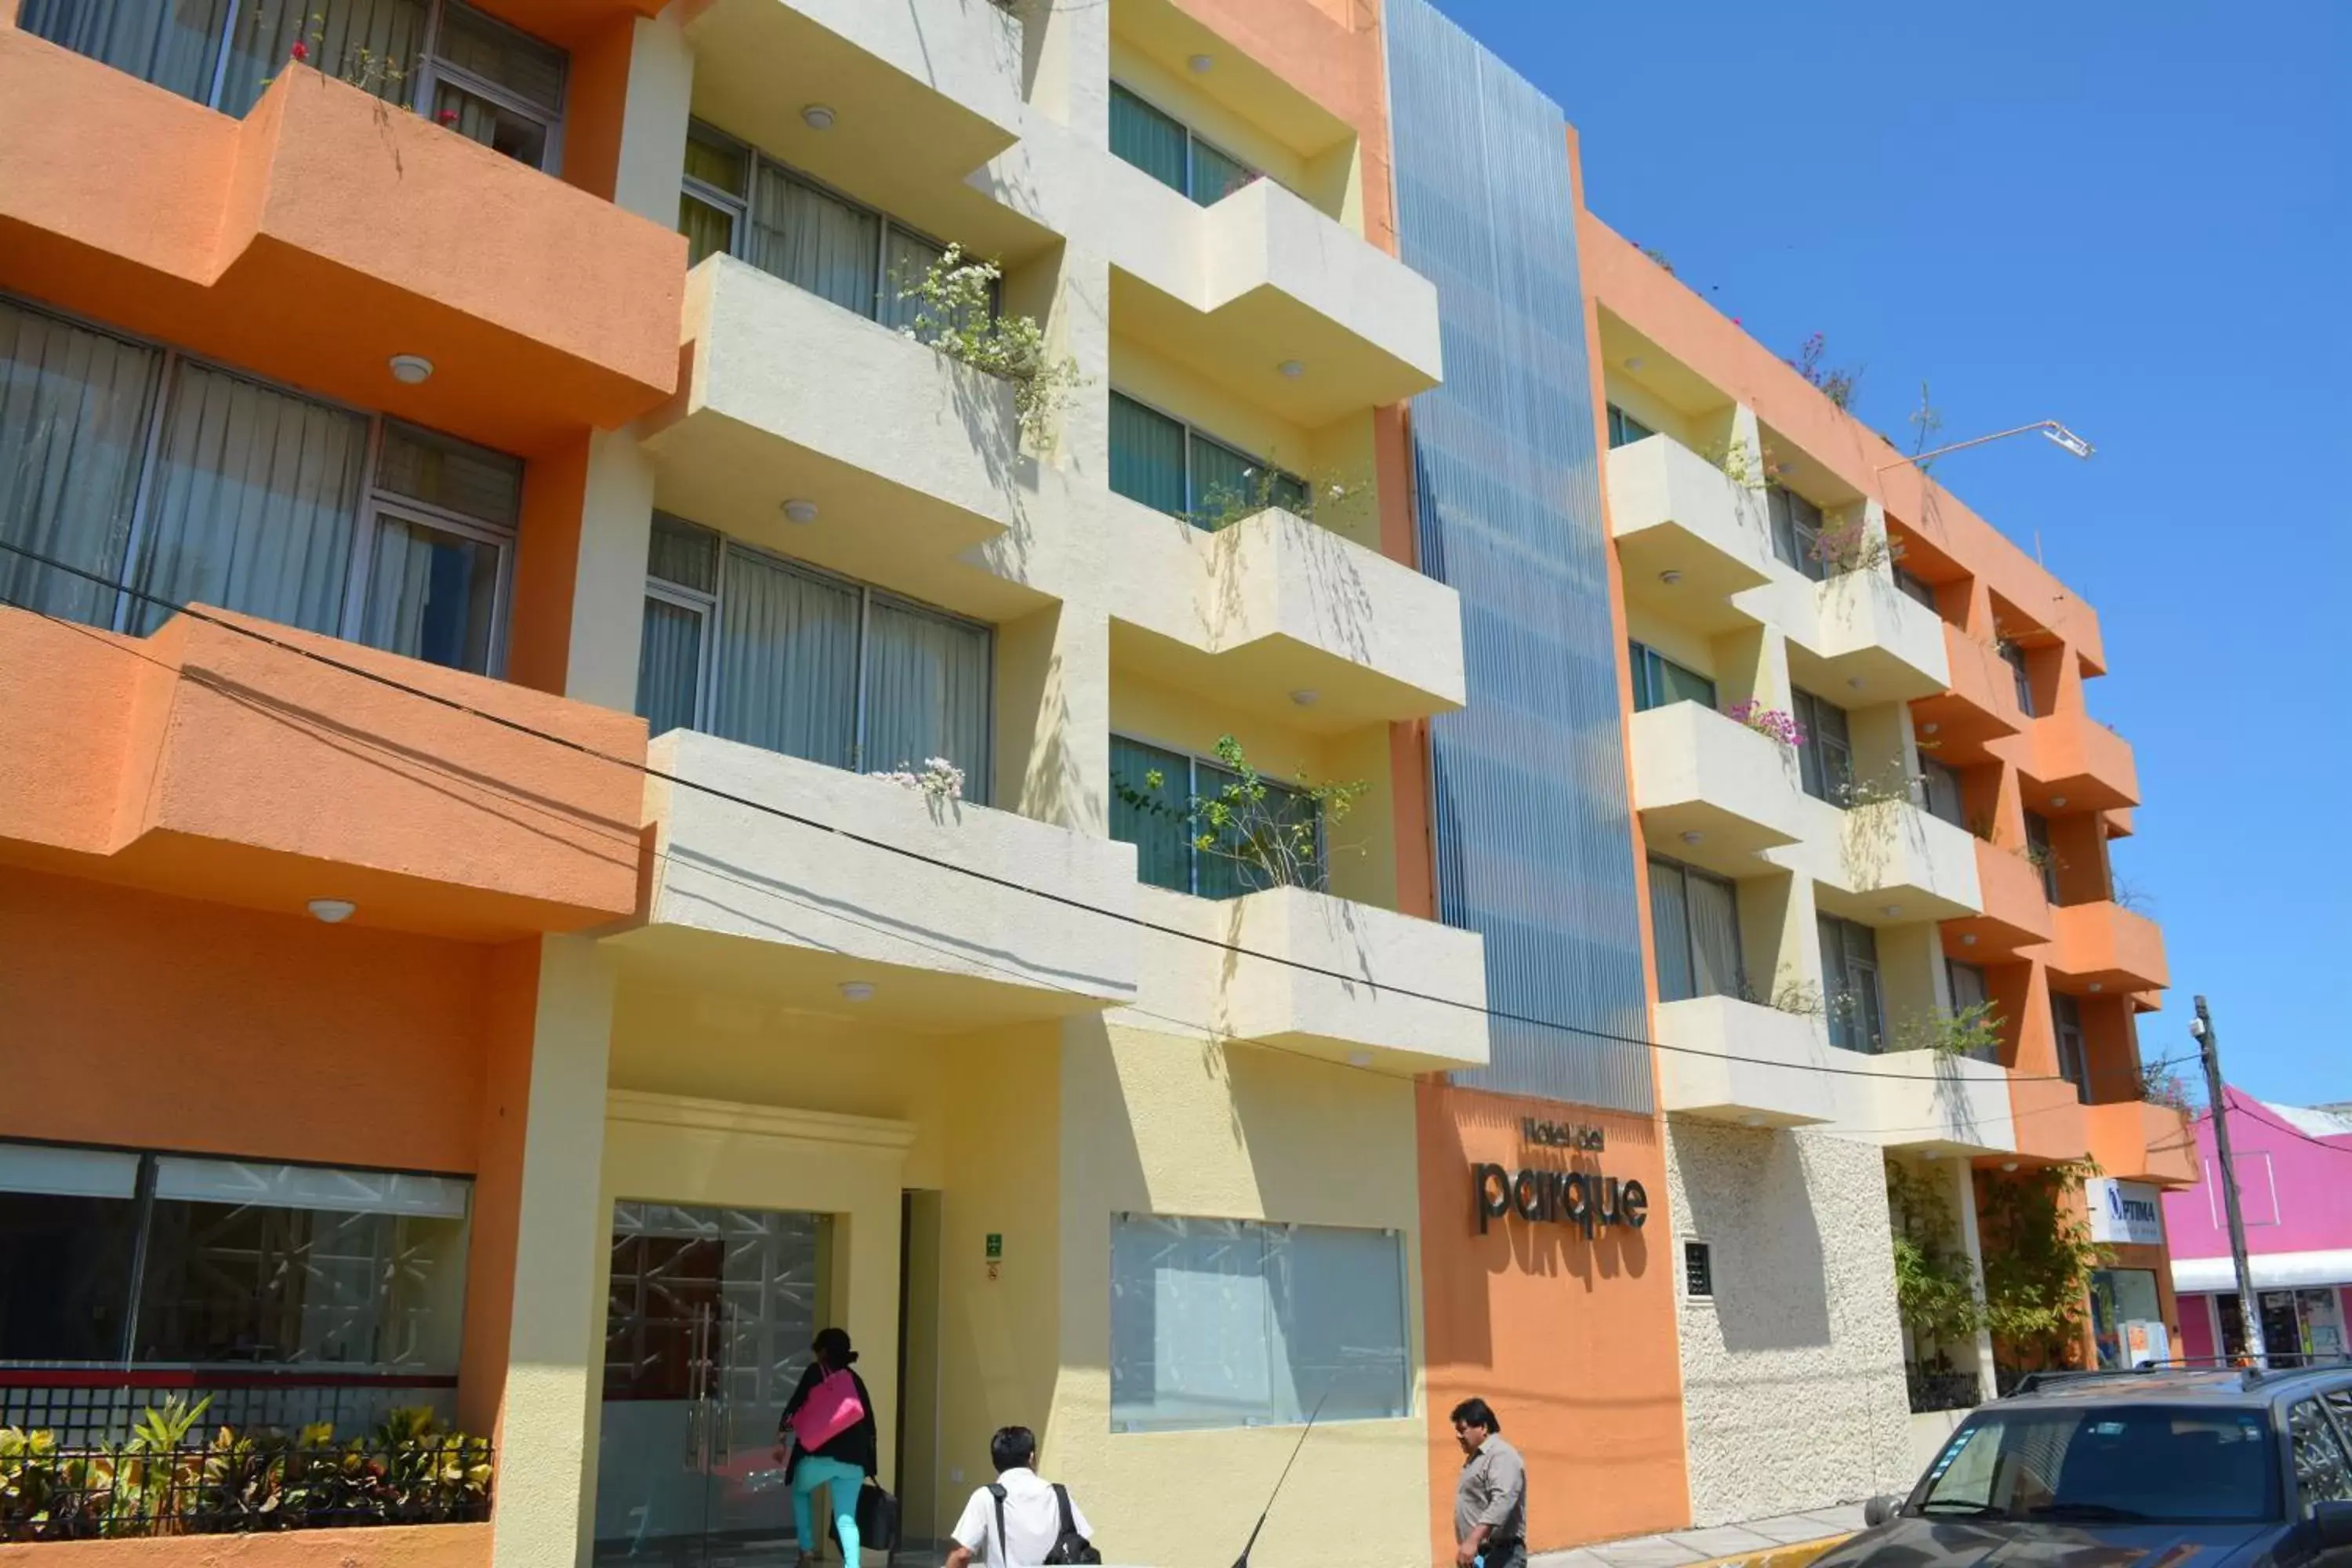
(447,117)
(301,52)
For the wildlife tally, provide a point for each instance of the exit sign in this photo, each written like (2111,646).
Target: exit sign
(995,1246)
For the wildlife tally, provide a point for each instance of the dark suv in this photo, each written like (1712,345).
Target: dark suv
(2235,1469)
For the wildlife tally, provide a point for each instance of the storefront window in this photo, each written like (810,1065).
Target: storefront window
(2294,1323)
(1233,1323)
(2127,1317)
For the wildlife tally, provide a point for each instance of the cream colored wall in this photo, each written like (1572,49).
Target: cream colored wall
(1158,1125)
(1692,649)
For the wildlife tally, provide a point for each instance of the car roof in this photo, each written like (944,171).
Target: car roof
(2230,1387)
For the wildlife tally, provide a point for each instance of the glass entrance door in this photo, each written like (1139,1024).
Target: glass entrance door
(707,1327)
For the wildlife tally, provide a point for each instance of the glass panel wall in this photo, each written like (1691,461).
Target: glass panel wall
(1167,464)
(1156,819)
(1165,148)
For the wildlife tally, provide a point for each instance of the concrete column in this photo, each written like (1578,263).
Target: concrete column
(533,1333)
(1965,1205)
(653,129)
(608,591)
(1053,705)
(1066,64)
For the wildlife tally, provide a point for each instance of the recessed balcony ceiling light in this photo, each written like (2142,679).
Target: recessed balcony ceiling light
(1890,911)
(1929,729)
(1751,1121)
(818,117)
(798,510)
(1692,835)
(332,911)
(1854,681)
(411,370)
(1307,697)
(1970,940)
(1635,362)
(2009,1165)
(1360,1059)
(2097,985)
(1201,64)
(1932,1154)
(1670,577)
(858,991)
(1292,369)
(2059,802)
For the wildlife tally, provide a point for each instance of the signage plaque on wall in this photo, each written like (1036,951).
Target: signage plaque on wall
(1587,1200)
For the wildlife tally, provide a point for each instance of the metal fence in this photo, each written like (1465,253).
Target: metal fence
(92,1410)
(1941,1388)
(233,1484)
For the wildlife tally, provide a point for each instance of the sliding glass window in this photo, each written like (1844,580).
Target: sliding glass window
(774,654)
(1796,530)
(1694,923)
(736,201)
(134,477)
(1167,464)
(1158,823)
(1624,429)
(1850,985)
(1165,148)
(1659,680)
(475,74)
(1825,760)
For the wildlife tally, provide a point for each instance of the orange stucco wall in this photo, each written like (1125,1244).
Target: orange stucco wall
(544,309)
(1572,1342)
(130,1019)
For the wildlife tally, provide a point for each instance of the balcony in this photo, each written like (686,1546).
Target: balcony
(1261,279)
(1870,637)
(2052,1123)
(870,883)
(2104,947)
(1885,862)
(1929,1102)
(909,456)
(1737,1061)
(2134,1141)
(543,310)
(1698,772)
(2071,757)
(923,91)
(1275,605)
(1322,983)
(1676,516)
(202,762)
(2017,912)
(1979,707)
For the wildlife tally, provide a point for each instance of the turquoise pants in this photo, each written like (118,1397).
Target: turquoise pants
(841,1483)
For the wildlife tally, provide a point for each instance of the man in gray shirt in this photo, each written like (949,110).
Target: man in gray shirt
(1490,1501)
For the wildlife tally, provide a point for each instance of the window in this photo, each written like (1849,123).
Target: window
(2014,656)
(1941,782)
(1695,922)
(2044,860)
(1624,429)
(1796,527)
(193,484)
(736,201)
(1850,985)
(1166,149)
(1170,466)
(481,77)
(1826,762)
(1658,680)
(2074,1065)
(1699,1269)
(2323,1471)
(128,1259)
(1915,587)
(1968,990)
(1166,853)
(752,648)
(2113,1462)
(1236,1323)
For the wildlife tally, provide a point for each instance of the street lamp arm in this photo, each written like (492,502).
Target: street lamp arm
(2056,432)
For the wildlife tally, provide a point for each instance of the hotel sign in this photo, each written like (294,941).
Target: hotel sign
(1585,1199)
(2130,1213)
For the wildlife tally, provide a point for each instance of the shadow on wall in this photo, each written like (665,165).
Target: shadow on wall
(1746,1195)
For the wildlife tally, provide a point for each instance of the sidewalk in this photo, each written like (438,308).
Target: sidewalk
(1681,1548)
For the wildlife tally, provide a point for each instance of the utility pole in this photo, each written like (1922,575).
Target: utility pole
(2249,1311)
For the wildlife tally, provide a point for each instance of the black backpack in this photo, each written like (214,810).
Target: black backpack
(1069,1546)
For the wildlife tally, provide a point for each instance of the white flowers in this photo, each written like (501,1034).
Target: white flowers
(939,780)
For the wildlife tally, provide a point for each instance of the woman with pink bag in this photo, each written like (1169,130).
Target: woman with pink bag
(829,1422)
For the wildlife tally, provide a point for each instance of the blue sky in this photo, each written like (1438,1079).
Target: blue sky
(2133,217)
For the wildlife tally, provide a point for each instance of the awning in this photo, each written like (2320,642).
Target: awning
(2272,1271)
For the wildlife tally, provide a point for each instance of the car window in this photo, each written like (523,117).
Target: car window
(2322,1472)
(2137,1463)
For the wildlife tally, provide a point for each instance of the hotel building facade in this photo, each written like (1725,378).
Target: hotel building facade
(490,560)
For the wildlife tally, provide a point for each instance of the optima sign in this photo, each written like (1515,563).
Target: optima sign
(2127,1212)
(1585,1199)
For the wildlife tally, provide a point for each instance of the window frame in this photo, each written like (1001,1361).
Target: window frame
(1683,868)
(1812,774)
(979,779)
(1648,666)
(1191,488)
(2037,838)
(2070,1042)
(1193,762)
(1191,137)
(1931,770)
(1620,425)
(2013,656)
(1849,965)
(1705,1250)
(739,208)
(1801,536)
(370,500)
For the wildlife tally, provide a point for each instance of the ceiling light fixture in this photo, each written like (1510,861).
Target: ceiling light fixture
(1692,835)
(411,370)
(1968,940)
(1890,911)
(858,991)
(1670,577)
(1201,64)
(1307,697)
(1854,681)
(2097,985)
(2058,802)
(332,911)
(1360,1059)
(1292,369)
(1634,362)
(798,510)
(1929,729)
(2009,1165)
(818,117)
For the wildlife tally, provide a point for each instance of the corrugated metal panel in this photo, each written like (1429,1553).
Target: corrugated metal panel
(1535,846)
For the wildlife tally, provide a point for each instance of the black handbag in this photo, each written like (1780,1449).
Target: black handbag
(1069,1546)
(877,1517)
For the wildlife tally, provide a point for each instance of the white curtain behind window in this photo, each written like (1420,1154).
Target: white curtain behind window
(253,505)
(1670,932)
(74,407)
(173,43)
(1715,936)
(669,670)
(431,594)
(927,693)
(787,661)
(807,237)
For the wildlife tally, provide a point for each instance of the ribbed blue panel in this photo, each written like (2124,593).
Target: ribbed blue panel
(1535,848)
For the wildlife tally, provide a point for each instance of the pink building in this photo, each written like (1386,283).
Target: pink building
(2295,1181)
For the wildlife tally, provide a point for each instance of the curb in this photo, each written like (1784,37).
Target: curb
(1796,1556)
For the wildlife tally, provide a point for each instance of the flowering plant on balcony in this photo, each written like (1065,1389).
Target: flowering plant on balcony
(939,779)
(1850,545)
(2159,1085)
(1772,723)
(1272,834)
(956,314)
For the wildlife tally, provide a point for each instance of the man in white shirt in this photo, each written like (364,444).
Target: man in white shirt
(1031,1513)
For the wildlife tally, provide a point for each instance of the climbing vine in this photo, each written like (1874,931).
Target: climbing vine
(1935,1289)
(2038,1255)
